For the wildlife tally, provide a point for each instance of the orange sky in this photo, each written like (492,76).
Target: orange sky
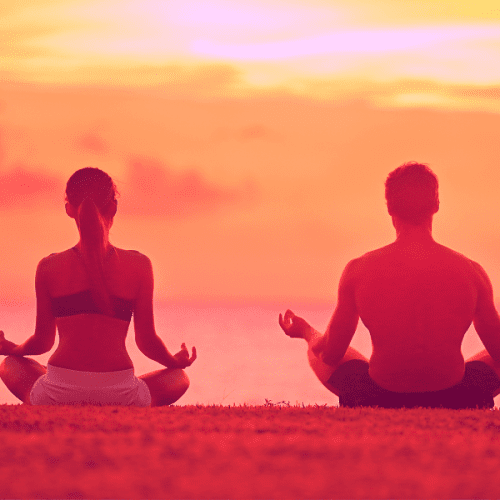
(249,140)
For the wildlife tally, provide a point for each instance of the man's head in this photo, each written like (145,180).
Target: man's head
(411,192)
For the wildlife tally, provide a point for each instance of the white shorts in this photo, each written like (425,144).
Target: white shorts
(60,386)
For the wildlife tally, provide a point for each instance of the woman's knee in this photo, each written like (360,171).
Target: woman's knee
(168,388)
(15,363)
(180,379)
(19,375)
(8,364)
(3,368)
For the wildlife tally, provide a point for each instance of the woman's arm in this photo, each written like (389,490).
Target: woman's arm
(45,328)
(146,338)
(6,346)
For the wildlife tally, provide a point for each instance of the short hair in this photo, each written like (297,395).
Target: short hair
(411,192)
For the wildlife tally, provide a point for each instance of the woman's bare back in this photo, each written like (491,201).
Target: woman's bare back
(92,341)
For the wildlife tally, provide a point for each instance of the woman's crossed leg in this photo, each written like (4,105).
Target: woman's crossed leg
(19,374)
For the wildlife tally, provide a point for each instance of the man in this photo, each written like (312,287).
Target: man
(417,298)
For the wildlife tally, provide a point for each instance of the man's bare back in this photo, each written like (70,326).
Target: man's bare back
(417,298)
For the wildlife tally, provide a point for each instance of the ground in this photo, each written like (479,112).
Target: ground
(272,451)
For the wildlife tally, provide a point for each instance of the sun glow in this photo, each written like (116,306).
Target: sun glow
(352,42)
(279,117)
(68,41)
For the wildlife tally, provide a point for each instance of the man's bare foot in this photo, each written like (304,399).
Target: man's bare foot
(295,326)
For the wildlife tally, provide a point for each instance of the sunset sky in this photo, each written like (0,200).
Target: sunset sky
(249,140)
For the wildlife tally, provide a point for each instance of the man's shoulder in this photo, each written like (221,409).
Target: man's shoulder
(461,258)
(359,265)
(371,256)
(386,255)
(474,270)
(452,252)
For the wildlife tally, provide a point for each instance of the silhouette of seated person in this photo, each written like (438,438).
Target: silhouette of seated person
(417,299)
(89,294)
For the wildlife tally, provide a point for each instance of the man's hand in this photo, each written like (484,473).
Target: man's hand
(295,326)
(6,346)
(182,358)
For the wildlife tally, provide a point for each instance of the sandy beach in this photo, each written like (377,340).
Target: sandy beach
(272,451)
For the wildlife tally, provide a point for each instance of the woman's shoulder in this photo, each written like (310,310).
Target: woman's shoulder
(120,252)
(128,257)
(131,254)
(133,258)
(55,264)
(56,258)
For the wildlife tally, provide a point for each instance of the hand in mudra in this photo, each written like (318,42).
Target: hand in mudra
(294,326)
(183,359)
(6,346)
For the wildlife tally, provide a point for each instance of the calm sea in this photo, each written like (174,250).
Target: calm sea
(243,356)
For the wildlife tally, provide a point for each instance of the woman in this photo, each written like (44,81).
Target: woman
(89,293)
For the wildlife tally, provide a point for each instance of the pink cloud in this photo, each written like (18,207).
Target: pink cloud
(481,92)
(92,143)
(254,132)
(17,42)
(2,151)
(154,190)
(22,187)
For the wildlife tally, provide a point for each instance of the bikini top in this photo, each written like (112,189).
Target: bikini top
(83,303)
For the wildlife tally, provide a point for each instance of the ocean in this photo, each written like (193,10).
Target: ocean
(243,355)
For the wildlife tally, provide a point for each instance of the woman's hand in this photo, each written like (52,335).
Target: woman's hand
(295,326)
(6,346)
(182,358)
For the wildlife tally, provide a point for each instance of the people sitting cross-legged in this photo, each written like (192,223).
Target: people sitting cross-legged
(89,293)
(417,299)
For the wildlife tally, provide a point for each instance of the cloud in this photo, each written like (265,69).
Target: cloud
(368,41)
(174,80)
(486,92)
(20,42)
(164,80)
(8,7)
(26,188)
(2,150)
(92,143)
(254,132)
(414,93)
(154,190)
(151,189)
(405,92)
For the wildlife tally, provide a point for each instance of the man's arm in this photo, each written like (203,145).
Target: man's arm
(486,319)
(332,346)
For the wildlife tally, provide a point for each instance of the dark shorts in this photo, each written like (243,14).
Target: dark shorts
(357,389)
